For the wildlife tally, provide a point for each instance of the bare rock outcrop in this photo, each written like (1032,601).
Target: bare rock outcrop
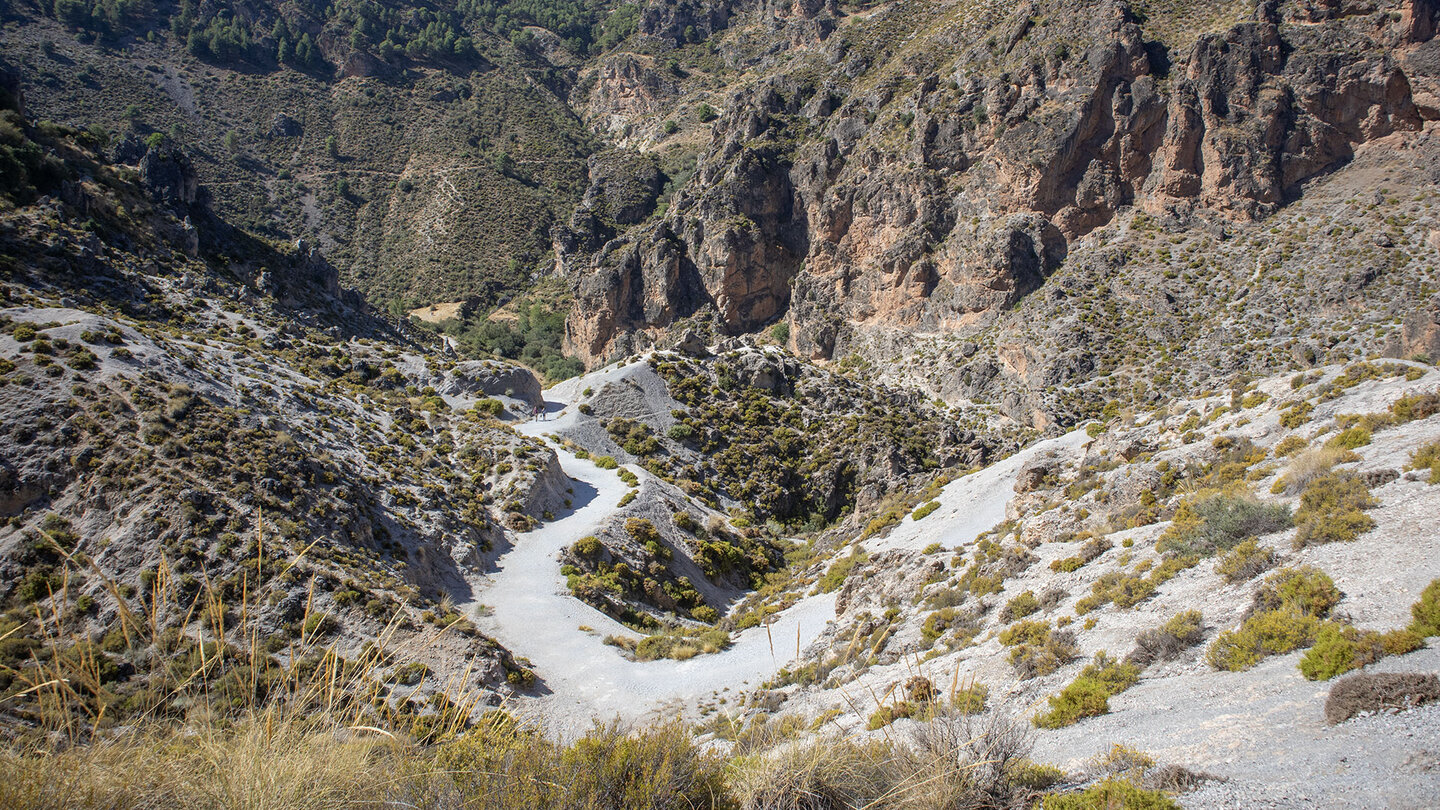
(953,182)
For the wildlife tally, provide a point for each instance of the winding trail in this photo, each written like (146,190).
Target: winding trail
(975,503)
(535,617)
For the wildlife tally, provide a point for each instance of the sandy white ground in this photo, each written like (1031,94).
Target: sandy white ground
(973,504)
(534,616)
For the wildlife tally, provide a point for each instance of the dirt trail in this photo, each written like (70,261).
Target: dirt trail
(534,616)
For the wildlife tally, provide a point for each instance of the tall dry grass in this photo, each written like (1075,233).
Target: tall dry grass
(223,723)
(1308,466)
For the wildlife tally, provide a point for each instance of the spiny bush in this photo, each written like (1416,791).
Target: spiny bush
(1036,649)
(1246,561)
(924,510)
(838,570)
(1309,466)
(1426,612)
(1286,615)
(1019,607)
(1213,521)
(1089,552)
(1379,691)
(1427,457)
(1350,438)
(1166,642)
(1111,793)
(1331,510)
(1088,695)
(1340,648)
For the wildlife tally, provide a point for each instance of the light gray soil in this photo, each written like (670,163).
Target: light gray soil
(534,616)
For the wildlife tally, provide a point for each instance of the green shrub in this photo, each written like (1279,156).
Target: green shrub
(1426,612)
(1399,642)
(970,699)
(641,530)
(1212,521)
(605,462)
(1033,775)
(626,499)
(1088,695)
(588,546)
(1289,446)
(1273,632)
(1286,615)
(1036,649)
(835,575)
(1092,550)
(1306,590)
(1330,510)
(1415,406)
(1340,648)
(682,644)
(1349,439)
(1021,606)
(489,407)
(946,619)
(1296,415)
(319,624)
(924,510)
(1026,632)
(1427,457)
(1128,590)
(1112,794)
(1246,561)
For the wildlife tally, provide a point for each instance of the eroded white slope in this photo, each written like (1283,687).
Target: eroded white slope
(975,503)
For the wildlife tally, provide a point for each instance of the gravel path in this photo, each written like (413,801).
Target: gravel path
(583,679)
(975,503)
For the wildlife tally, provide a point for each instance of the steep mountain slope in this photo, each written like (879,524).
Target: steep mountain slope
(1050,376)
(905,178)
(1107,538)
(422,176)
(205,438)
